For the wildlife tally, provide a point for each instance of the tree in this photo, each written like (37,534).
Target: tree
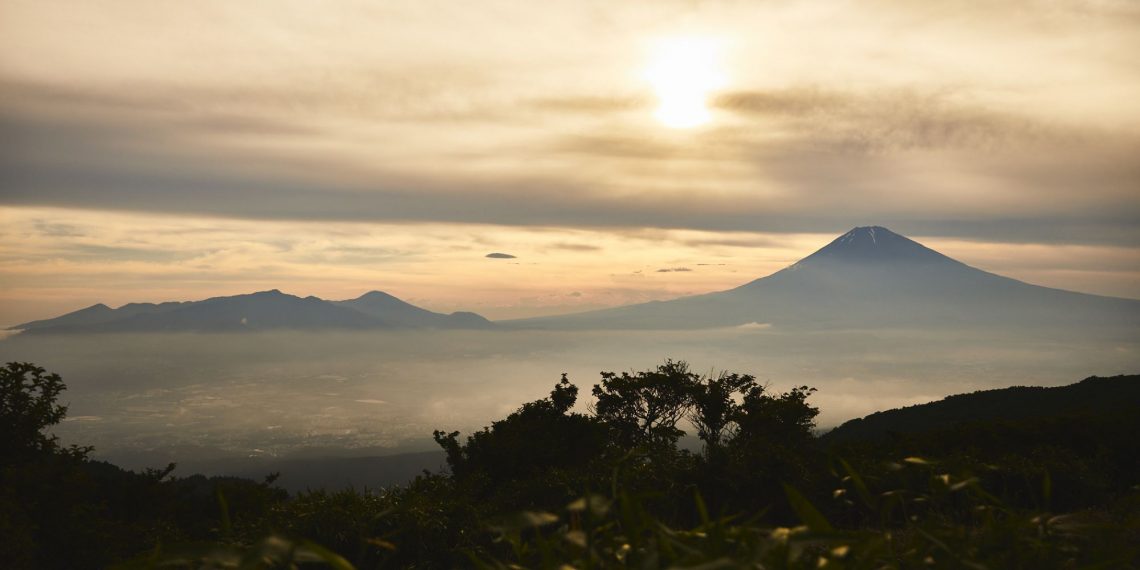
(774,443)
(644,407)
(785,417)
(27,407)
(715,411)
(532,445)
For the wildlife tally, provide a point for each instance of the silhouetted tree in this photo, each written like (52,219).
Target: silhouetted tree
(714,410)
(644,407)
(785,417)
(540,446)
(774,445)
(27,407)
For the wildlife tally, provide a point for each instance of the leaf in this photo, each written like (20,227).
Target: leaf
(224,507)
(576,537)
(710,565)
(524,520)
(963,484)
(597,505)
(702,509)
(807,511)
(381,543)
(539,518)
(860,486)
(329,557)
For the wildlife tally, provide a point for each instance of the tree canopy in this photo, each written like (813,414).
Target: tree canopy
(28,407)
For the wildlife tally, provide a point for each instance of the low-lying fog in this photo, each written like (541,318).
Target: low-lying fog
(190,397)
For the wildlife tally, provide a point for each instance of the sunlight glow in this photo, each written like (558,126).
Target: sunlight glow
(683,73)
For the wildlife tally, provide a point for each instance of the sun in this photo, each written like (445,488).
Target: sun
(683,73)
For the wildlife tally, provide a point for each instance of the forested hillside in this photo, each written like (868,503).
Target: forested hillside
(1090,397)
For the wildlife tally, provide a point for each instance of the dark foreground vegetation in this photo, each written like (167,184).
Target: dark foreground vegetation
(1043,486)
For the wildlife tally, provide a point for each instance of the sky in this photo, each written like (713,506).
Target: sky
(620,151)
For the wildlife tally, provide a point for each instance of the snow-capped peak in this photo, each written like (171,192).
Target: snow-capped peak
(873,244)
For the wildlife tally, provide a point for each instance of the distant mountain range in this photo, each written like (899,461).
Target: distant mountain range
(266,310)
(870,277)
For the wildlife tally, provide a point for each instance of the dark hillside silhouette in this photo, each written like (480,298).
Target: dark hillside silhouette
(1091,397)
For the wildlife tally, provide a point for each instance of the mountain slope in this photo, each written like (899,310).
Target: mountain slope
(401,313)
(869,277)
(95,314)
(1091,397)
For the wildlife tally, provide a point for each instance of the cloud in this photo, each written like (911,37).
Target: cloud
(611,145)
(674,270)
(733,241)
(590,104)
(500,256)
(754,326)
(1008,129)
(120,166)
(575,247)
(57,230)
(116,253)
(891,120)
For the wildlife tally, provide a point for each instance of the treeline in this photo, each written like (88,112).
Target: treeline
(548,487)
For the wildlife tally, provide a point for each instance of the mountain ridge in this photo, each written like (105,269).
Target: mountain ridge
(261,310)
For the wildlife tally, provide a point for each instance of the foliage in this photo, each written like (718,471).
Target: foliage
(547,487)
(714,411)
(60,510)
(534,455)
(27,407)
(928,519)
(643,408)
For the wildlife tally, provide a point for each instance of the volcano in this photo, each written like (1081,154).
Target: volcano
(869,277)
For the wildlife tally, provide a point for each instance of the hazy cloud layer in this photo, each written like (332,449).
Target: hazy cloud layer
(808,187)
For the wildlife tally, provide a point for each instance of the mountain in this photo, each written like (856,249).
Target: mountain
(400,313)
(265,310)
(866,278)
(1092,397)
(93,315)
(1044,446)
